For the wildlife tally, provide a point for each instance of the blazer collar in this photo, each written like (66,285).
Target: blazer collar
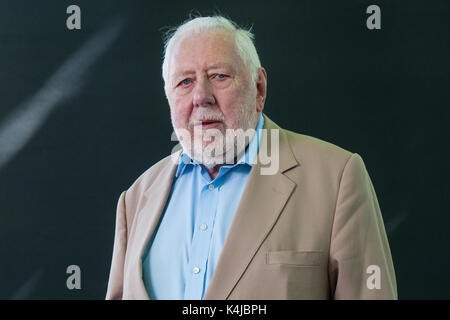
(261,203)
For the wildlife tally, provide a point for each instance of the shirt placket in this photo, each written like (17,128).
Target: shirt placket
(201,241)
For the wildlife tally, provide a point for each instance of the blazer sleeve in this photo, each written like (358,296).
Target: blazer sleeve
(115,284)
(360,264)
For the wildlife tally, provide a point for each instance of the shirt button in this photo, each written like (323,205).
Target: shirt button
(211,187)
(196,270)
(203,227)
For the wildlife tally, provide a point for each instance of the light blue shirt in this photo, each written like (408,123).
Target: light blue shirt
(187,243)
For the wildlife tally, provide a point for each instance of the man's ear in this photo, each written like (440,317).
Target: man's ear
(261,89)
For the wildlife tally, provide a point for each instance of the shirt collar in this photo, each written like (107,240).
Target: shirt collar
(247,158)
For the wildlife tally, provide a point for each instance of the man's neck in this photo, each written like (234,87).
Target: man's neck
(214,171)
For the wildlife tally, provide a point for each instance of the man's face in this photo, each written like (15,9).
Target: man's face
(209,87)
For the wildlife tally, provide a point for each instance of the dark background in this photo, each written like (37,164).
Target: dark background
(381,93)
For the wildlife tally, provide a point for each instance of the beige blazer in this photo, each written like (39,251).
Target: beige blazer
(313,230)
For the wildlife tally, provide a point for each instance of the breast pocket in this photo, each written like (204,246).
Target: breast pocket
(295,258)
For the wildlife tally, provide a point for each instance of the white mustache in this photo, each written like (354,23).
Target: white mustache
(206,116)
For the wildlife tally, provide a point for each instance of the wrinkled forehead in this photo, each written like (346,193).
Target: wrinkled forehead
(200,50)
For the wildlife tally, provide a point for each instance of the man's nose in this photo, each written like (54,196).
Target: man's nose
(203,94)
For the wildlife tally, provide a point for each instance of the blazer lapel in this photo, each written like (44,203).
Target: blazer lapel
(146,221)
(262,201)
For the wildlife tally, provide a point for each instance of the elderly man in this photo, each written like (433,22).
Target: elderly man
(208,222)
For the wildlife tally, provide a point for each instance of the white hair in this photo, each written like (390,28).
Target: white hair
(243,39)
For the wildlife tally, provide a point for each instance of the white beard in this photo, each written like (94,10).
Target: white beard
(224,148)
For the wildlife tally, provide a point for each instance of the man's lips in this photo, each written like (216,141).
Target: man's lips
(207,124)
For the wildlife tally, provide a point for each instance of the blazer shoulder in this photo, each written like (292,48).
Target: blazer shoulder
(134,194)
(310,149)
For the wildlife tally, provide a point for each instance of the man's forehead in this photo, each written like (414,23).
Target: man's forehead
(205,50)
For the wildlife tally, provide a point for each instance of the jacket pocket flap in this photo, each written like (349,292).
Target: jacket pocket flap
(301,258)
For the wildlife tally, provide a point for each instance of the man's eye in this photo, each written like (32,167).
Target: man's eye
(220,76)
(185,82)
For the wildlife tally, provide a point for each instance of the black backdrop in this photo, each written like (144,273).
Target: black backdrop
(381,93)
